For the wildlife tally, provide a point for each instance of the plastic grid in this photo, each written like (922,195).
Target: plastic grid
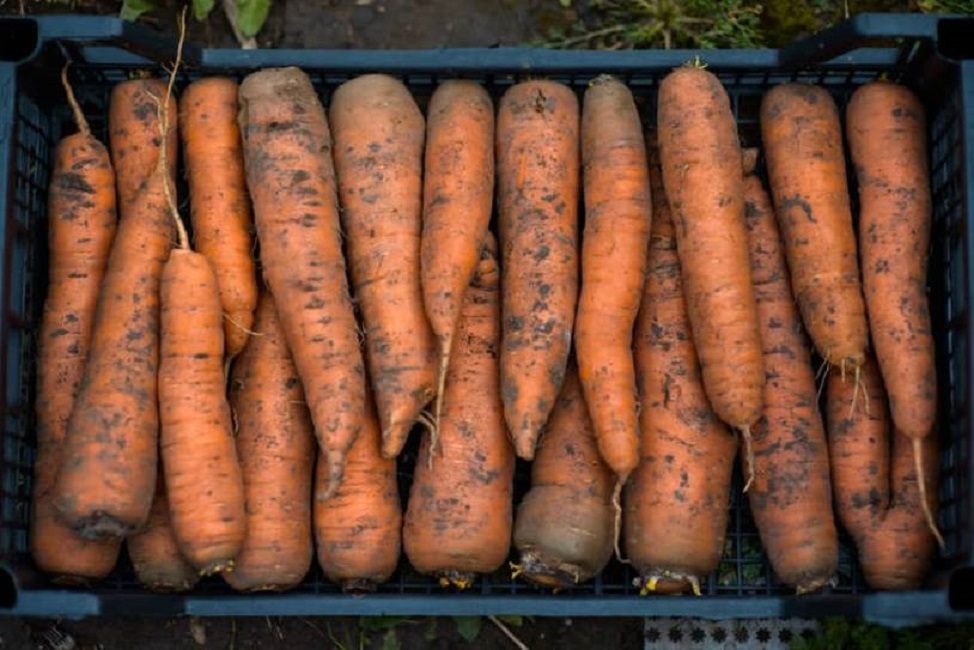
(744,569)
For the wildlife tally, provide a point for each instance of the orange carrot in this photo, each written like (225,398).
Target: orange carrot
(358,531)
(133,134)
(81,216)
(806,167)
(677,501)
(458,522)
(790,497)
(275,442)
(108,469)
(701,161)
(537,177)
(877,495)
(563,528)
(457,197)
(203,479)
(618,212)
(158,564)
(220,207)
(887,139)
(379,134)
(292,184)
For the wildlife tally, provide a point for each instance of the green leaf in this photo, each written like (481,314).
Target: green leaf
(565,3)
(468,627)
(202,8)
(390,641)
(512,620)
(132,9)
(251,15)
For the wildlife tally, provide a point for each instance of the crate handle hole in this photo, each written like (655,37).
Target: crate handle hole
(20,39)
(960,593)
(8,589)
(954,38)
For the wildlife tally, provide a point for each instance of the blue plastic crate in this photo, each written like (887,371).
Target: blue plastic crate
(932,54)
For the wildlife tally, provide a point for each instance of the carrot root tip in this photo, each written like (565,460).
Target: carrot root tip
(617,520)
(459,579)
(924,501)
(358,586)
(745,432)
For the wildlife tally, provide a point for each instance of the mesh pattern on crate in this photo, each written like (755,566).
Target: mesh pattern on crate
(753,634)
(744,569)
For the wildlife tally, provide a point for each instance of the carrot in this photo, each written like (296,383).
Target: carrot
(458,522)
(806,168)
(564,526)
(292,185)
(877,495)
(156,558)
(790,497)
(537,176)
(677,500)
(618,211)
(81,225)
(107,472)
(886,127)
(203,478)
(457,198)
(220,207)
(379,134)
(358,530)
(133,135)
(275,443)
(701,161)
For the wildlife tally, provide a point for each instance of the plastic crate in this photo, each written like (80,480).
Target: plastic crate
(932,54)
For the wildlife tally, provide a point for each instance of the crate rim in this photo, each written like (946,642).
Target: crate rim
(837,49)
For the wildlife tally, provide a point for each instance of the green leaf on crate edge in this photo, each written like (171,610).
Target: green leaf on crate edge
(132,9)
(468,627)
(251,15)
(202,8)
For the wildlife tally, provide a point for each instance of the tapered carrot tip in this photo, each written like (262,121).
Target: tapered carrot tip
(394,436)
(924,501)
(216,567)
(336,471)
(811,585)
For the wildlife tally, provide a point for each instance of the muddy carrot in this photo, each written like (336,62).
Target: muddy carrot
(618,211)
(81,225)
(701,161)
(806,169)
(358,531)
(563,529)
(379,135)
(275,443)
(458,194)
(537,182)
(134,138)
(790,498)
(877,495)
(107,473)
(677,501)
(292,184)
(219,205)
(458,522)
